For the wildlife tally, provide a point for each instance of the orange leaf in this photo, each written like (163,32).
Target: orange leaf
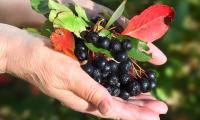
(63,40)
(70,54)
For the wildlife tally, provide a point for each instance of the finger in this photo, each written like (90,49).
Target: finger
(154,105)
(144,96)
(78,104)
(88,89)
(151,102)
(119,111)
(128,111)
(148,102)
(158,57)
(74,102)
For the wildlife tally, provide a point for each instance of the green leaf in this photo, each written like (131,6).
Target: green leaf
(40,6)
(56,15)
(71,23)
(81,12)
(53,14)
(62,17)
(47,28)
(142,45)
(57,6)
(98,50)
(116,14)
(105,33)
(32,30)
(139,55)
(58,9)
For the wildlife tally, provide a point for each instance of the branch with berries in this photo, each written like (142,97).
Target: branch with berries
(107,52)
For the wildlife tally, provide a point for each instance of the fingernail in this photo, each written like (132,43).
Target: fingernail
(104,107)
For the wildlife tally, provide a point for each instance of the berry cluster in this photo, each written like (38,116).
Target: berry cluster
(114,74)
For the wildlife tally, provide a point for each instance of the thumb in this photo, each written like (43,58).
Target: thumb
(85,87)
(158,57)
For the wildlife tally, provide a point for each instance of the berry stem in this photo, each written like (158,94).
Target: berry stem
(112,28)
(136,72)
(141,71)
(137,65)
(96,26)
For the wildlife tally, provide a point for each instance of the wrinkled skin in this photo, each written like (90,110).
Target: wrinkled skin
(31,58)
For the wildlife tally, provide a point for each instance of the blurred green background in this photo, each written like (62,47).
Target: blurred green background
(178,80)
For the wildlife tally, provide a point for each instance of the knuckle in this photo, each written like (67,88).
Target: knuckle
(92,93)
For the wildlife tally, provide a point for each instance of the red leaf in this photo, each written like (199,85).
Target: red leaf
(63,40)
(150,24)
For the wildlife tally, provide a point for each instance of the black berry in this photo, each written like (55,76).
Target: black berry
(144,85)
(100,62)
(81,47)
(92,37)
(124,95)
(113,65)
(105,74)
(81,55)
(115,91)
(107,67)
(88,68)
(118,84)
(125,78)
(133,88)
(106,70)
(151,75)
(152,84)
(125,66)
(121,56)
(109,88)
(96,73)
(113,79)
(126,44)
(79,41)
(115,46)
(98,79)
(84,34)
(104,42)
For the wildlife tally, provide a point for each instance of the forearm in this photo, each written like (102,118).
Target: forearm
(11,42)
(19,13)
